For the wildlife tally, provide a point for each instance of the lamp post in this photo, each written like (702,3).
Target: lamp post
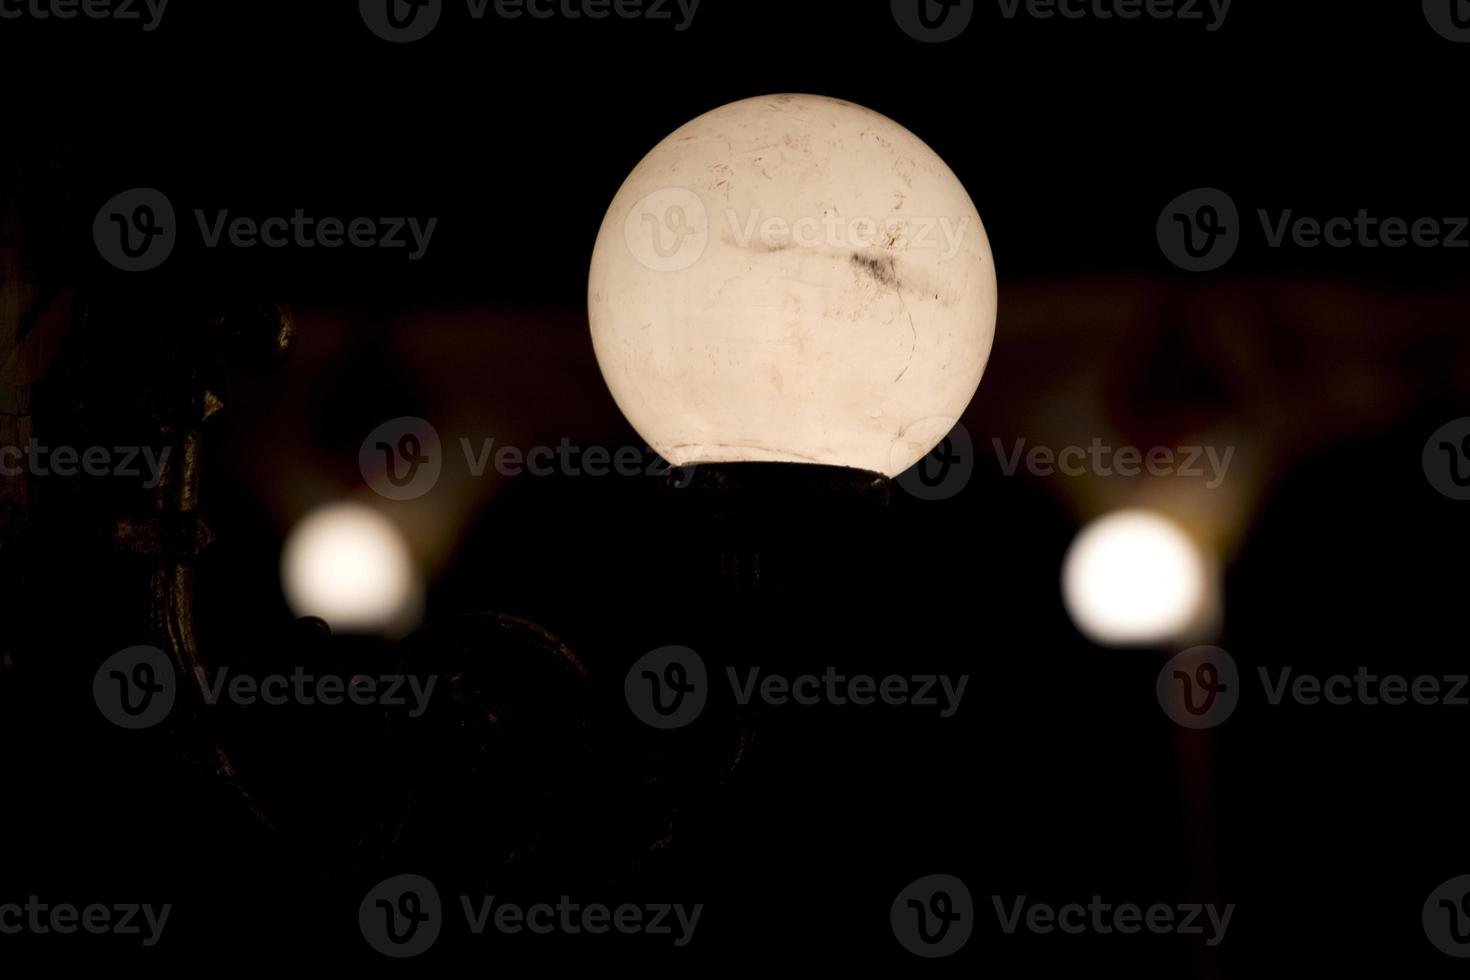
(794,296)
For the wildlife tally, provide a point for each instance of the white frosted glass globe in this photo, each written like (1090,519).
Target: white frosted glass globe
(792,278)
(1135,577)
(350,566)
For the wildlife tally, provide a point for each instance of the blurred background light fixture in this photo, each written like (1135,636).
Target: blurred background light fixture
(1136,578)
(792,279)
(349,565)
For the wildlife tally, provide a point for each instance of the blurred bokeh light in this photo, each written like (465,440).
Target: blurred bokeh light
(1135,578)
(349,565)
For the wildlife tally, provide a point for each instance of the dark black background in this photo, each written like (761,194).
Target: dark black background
(1060,779)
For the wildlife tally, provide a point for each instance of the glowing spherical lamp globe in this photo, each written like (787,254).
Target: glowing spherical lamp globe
(792,279)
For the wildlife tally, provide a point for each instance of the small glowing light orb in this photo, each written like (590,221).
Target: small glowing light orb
(792,279)
(1135,578)
(349,565)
